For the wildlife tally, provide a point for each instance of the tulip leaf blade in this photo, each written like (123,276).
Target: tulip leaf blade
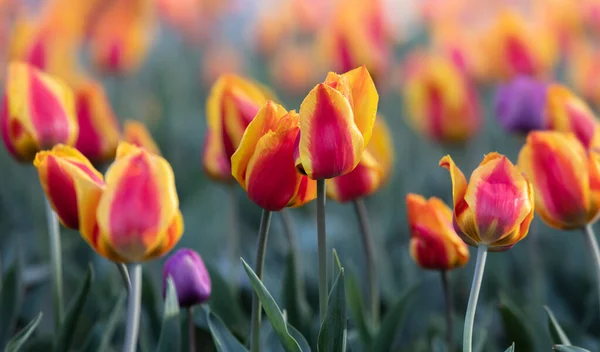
(294,296)
(272,310)
(22,336)
(64,337)
(170,332)
(357,309)
(300,339)
(225,303)
(333,332)
(511,348)
(337,265)
(557,334)
(515,324)
(392,321)
(11,298)
(111,325)
(565,348)
(223,338)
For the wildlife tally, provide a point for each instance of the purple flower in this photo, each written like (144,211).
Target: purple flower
(520,103)
(190,277)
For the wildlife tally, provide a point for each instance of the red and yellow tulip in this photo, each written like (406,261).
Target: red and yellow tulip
(131,216)
(232,103)
(434,243)
(371,173)
(136,133)
(497,205)
(38,112)
(99,130)
(336,124)
(441,102)
(264,165)
(565,177)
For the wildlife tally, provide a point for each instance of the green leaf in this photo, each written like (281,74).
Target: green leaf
(273,312)
(332,336)
(565,348)
(337,265)
(170,333)
(22,336)
(355,302)
(511,348)
(515,324)
(393,322)
(64,337)
(556,332)
(294,297)
(11,299)
(223,339)
(297,335)
(111,324)
(225,304)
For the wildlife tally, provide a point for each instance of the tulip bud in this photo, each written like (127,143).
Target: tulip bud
(496,207)
(137,133)
(264,165)
(434,243)
(232,103)
(565,177)
(190,277)
(38,112)
(372,171)
(336,124)
(520,104)
(99,130)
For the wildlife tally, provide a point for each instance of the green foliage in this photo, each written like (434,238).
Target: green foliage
(22,336)
(223,339)
(556,332)
(355,303)
(11,298)
(564,348)
(170,332)
(511,348)
(294,298)
(332,335)
(515,325)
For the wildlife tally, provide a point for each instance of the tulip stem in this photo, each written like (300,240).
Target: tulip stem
(191,329)
(473,296)
(367,240)
(290,234)
(593,245)
(322,248)
(133,309)
(261,248)
(449,308)
(124,276)
(56,260)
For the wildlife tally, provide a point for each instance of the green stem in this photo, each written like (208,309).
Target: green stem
(133,309)
(56,261)
(472,305)
(191,329)
(369,247)
(290,234)
(261,248)
(593,245)
(124,276)
(449,309)
(322,248)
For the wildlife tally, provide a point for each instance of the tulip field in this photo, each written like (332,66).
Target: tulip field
(299,175)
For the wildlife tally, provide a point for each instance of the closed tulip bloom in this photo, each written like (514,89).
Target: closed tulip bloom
(565,177)
(38,112)
(99,130)
(336,124)
(232,103)
(434,243)
(372,171)
(520,104)
(136,133)
(441,102)
(496,207)
(264,165)
(190,277)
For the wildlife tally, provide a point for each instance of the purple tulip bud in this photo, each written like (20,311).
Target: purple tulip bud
(190,277)
(520,104)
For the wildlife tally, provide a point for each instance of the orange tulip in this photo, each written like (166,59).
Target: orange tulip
(336,123)
(434,243)
(38,112)
(136,133)
(372,171)
(441,102)
(496,207)
(565,177)
(232,103)
(263,164)
(99,130)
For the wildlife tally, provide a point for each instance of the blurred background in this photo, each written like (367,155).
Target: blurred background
(157,60)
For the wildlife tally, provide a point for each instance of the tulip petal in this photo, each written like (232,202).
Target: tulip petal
(137,133)
(381,147)
(594,205)
(360,182)
(364,100)
(307,191)
(169,239)
(459,182)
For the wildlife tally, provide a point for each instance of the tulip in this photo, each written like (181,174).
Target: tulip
(99,130)
(38,112)
(441,102)
(232,103)
(336,124)
(520,104)
(584,64)
(190,277)
(137,133)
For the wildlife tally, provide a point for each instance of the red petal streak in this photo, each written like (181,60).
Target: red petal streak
(518,57)
(436,113)
(37,54)
(4,128)
(48,115)
(429,250)
(358,183)
(62,193)
(88,142)
(582,124)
